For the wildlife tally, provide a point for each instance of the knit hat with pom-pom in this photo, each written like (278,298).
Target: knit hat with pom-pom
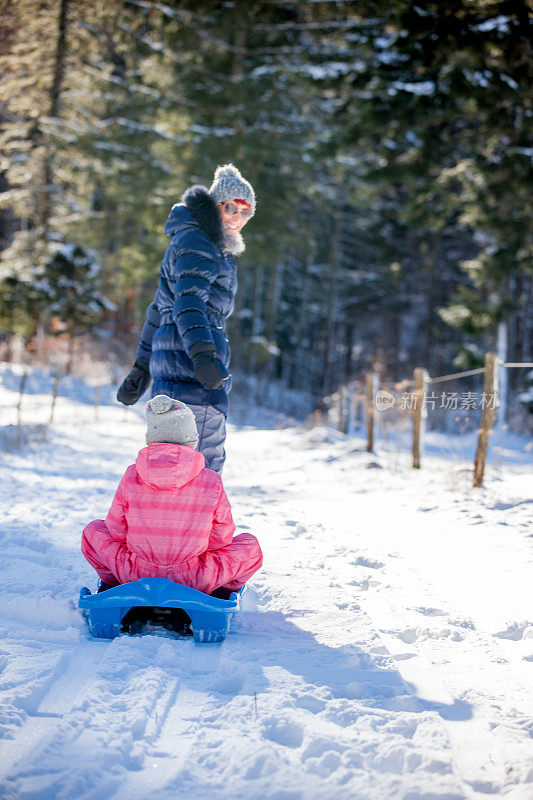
(169,420)
(228,184)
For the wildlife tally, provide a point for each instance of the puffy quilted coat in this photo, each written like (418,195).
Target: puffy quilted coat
(195,296)
(170,518)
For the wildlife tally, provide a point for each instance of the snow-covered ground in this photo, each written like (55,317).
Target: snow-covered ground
(384,652)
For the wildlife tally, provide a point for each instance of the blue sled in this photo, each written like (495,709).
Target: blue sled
(210,618)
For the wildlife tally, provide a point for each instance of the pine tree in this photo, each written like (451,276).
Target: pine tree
(441,104)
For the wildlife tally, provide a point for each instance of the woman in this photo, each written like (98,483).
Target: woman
(183,344)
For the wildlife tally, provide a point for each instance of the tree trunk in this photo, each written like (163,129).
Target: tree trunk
(71,353)
(429,256)
(331,307)
(349,343)
(272,301)
(257,316)
(239,44)
(45,203)
(300,356)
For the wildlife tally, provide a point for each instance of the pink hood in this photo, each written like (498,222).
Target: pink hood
(168,466)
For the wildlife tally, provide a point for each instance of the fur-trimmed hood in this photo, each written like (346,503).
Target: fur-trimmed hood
(198,209)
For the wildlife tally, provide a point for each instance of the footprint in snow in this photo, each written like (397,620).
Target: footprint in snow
(516,631)
(430,612)
(363,585)
(297,528)
(390,758)
(229,684)
(310,703)
(467,624)
(260,765)
(283,731)
(326,764)
(413,635)
(348,606)
(409,635)
(361,561)
(318,746)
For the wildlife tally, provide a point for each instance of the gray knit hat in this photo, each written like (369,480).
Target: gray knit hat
(228,184)
(169,420)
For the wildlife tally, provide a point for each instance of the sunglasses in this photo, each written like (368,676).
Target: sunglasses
(232,208)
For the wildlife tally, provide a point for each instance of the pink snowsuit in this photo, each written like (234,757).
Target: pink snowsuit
(170,518)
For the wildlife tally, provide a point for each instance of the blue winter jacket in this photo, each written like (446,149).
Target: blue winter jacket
(195,296)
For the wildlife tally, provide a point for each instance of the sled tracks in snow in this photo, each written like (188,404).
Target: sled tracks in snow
(43,713)
(98,714)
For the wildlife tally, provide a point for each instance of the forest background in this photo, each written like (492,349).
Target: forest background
(389,145)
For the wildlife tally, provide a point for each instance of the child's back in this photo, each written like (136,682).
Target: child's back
(169,500)
(170,518)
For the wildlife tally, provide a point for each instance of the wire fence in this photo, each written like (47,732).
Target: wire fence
(375,407)
(32,399)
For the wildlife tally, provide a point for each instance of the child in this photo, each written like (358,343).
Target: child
(170,517)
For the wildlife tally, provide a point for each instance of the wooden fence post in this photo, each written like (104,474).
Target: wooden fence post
(371,389)
(54,398)
(350,395)
(344,398)
(420,413)
(97,394)
(317,417)
(490,406)
(356,401)
(21,395)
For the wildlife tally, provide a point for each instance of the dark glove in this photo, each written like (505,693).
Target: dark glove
(134,384)
(209,370)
